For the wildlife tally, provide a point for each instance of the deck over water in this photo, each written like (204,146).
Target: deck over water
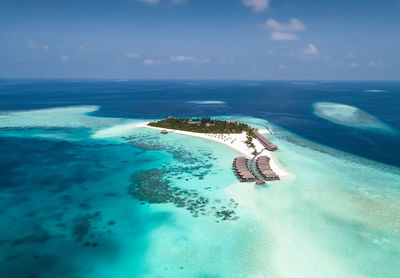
(240,166)
(264,141)
(246,172)
(258,168)
(264,169)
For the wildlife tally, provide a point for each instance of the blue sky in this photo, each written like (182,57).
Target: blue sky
(201,39)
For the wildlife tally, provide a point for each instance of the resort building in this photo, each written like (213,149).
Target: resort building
(244,170)
(264,169)
(241,169)
(264,141)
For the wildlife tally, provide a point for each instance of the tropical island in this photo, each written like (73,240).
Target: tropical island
(203,125)
(240,136)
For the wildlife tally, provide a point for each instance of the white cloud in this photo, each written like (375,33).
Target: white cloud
(281,67)
(181,58)
(148,62)
(81,47)
(378,63)
(354,65)
(132,55)
(151,2)
(311,50)
(256,5)
(309,53)
(350,56)
(32,44)
(283,36)
(293,25)
(284,31)
(155,2)
(229,62)
(176,59)
(64,58)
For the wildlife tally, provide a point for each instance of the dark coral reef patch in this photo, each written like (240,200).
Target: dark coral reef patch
(153,187)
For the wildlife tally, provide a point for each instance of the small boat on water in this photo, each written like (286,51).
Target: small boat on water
(164,131)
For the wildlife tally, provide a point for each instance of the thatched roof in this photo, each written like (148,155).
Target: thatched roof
(264,141)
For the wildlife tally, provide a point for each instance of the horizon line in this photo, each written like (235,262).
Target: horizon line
(195,79)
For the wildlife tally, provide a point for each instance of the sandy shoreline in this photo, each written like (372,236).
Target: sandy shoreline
(234,141)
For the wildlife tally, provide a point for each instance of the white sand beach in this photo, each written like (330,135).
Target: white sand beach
(234,141)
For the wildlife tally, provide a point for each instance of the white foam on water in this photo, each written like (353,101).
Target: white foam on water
(207,102)
(350,116)
(374,91)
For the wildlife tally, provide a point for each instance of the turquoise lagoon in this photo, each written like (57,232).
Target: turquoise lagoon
(76,204)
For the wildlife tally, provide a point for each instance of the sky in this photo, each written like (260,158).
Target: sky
(201,39)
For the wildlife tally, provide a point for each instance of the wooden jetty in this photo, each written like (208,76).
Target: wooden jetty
(240,167)
(264,141)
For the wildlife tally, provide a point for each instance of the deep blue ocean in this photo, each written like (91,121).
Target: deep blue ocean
(141,204)
(287,104)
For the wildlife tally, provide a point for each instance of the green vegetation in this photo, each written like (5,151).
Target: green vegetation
(249,141)
(203,125)
(250,144)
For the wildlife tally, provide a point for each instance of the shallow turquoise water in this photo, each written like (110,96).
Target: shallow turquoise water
(75,206)
(338,217)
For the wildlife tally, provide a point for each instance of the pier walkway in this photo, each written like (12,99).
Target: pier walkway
(264,141)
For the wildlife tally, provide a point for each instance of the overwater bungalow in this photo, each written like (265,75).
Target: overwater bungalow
(264,168)
(240,167)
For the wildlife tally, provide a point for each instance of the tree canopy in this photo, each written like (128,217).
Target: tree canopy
(203,125)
